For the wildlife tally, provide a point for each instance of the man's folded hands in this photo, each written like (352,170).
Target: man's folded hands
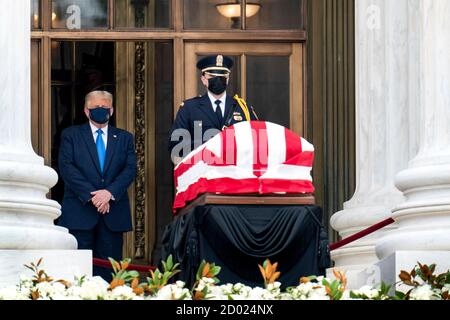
(101,200)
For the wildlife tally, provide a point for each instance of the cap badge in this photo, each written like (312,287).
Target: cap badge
(219,61)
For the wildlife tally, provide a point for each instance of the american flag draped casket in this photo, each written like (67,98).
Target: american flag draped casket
(248,158)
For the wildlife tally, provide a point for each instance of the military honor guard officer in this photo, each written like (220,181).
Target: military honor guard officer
(201,118)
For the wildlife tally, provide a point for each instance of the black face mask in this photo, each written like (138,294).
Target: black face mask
(217,85)
(100,114)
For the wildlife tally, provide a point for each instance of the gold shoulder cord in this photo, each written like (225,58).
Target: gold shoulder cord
(243,106)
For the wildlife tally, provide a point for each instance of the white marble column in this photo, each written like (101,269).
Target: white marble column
(424,217)
(26,215)
(385,96)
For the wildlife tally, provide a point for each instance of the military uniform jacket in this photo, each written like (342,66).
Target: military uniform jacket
(197,116)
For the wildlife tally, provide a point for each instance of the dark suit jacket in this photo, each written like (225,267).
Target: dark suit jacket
(80,169)
(200,109)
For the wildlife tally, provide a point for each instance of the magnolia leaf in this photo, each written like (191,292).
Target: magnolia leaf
(328,290)
(29,267)
(35,295)
(135,283)
(263,272)
(304,280)
(198,295)
(113,264)
(354,295)
(124,265)
(425,270)
(170,262)
(138,291)
(215,270)
(384,289)
(274,277)
(200,269)
(116,283)
(205,270)
(274,267)
(405,276)
(433,268)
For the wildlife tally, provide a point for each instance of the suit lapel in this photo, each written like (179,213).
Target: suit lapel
(89,140)
(111,146)
(228,108)
(206,107)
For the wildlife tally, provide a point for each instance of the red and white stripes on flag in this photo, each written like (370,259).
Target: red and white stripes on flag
(248,158)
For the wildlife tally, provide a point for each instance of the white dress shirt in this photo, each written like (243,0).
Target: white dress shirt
(95,134)
(222,102)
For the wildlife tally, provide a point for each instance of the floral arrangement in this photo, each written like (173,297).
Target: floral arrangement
(424,284)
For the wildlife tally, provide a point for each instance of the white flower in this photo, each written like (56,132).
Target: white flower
(262,294)
(48,290)
(318,294)
(309,291)
(238,287)
(173,292)
(216,293)
(122,293)
(227,289)
(94,288)
(424,292)
(75,293)
(203,283)
(181,294)
(273,286)
(165,293)
(368,291)
(25,282)
(11,293)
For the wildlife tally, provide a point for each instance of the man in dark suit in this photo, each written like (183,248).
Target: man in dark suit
(97,163)
(201,118)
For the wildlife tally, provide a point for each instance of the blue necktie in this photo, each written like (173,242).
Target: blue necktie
(101,150)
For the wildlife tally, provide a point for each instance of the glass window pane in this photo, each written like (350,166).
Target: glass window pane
(268,88)
(204,14)
(234,86)
(275,14)
(142,13)
(79,14)
(62,62)
(35,15)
